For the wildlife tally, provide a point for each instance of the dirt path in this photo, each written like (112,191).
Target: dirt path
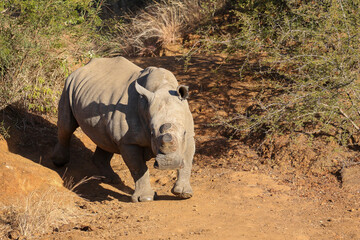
(236,197)
(227,204)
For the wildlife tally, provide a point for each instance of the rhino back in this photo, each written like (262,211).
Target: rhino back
(98,94)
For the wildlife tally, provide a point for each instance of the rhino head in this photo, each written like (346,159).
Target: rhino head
(165,118)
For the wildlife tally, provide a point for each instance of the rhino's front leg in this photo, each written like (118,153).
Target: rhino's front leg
(134,158)
(182,186)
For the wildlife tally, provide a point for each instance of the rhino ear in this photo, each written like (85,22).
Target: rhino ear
(183,92)
(144,92)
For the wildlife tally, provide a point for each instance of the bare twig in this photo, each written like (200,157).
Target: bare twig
(348,118)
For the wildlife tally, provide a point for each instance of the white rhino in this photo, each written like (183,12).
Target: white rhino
(138,113)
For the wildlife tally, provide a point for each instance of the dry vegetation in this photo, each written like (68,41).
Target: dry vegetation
(41,211)
(37,213)
(162,23)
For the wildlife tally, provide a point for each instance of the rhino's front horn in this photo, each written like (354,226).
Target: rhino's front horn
(165,127)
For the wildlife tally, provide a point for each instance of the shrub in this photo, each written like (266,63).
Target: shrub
(39,42)
(307,53)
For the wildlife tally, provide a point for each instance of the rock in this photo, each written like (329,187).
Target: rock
(65,228)
(351,179)
(14,235)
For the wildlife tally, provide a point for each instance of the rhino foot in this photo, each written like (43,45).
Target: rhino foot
(182,190)
(146,196)
(60,156)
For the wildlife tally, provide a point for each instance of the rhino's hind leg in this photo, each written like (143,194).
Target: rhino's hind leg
(66,126)
(101,159)
(61,153)
(134,159)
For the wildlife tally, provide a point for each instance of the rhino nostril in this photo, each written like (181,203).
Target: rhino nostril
(167,138)
(165,127)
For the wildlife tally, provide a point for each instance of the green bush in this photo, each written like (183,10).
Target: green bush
(308,54)
(39,42)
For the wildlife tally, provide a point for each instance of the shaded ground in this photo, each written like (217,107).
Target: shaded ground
(237,196)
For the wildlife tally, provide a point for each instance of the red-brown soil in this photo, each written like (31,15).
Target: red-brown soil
(237,193)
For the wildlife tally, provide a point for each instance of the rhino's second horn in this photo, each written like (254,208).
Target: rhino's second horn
(168,143)
(167,138)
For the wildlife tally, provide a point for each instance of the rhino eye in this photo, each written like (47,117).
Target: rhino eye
(152,131)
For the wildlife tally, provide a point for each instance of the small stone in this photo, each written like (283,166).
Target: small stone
(14,235)
(85,228)
(65,228)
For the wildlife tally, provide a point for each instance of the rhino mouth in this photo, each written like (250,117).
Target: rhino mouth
(164,162)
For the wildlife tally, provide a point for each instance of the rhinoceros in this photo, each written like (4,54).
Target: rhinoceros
(137,113)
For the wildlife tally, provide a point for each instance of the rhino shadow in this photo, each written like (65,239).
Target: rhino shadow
(34,137)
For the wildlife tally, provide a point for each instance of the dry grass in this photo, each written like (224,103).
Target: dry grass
(41,211)
(38,213)
(163,23)
(70,184)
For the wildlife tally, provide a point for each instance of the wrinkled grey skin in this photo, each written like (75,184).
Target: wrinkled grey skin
(137,113)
